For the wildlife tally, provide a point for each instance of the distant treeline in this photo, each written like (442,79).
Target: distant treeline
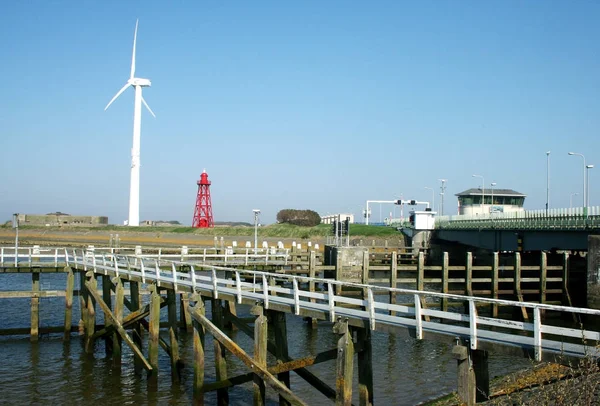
(305,218)
(232,223)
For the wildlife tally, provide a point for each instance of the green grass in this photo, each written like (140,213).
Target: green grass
(273,230)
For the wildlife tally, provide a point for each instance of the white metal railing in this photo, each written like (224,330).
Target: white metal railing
(293,291)
(56,256)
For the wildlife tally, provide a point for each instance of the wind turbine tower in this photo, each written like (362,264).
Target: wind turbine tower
(138,84)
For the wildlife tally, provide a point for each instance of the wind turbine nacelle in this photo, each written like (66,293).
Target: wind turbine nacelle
(140,82)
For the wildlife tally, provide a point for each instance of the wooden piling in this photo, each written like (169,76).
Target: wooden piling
(517,281)
(69,303)
(445,263)
(198,340)
(260,352)
(312,266)
(83,298)
(495,268)
(184,312)
(220,352)
(365,367)
(344,364)
(118,314)
(173,335)
(35,305)
(543,276)
(106,297)
(90,324)
(469,275)
(279,325)
(153,332)
(134,292)
(393,279)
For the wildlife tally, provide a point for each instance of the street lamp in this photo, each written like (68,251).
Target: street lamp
(587,186)
(571,199)
(547,181)
(443,187)
(256,213)
(492,206)
(482,190)
(432,197)
(584,170)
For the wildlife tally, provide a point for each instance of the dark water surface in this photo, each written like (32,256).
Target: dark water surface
(405,371)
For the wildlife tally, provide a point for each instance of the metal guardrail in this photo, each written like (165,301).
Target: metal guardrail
(290,291)
(579,218)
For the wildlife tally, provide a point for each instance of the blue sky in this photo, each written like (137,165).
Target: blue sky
(307,105)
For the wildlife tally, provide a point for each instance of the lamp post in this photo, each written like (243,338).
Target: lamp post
(587,186)
(584,170)
(443,187)
(432,197)
(571,199)
(256,214)
(492,187)
(547,181)
(482,190)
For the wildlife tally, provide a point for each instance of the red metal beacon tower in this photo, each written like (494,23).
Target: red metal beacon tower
(203,217)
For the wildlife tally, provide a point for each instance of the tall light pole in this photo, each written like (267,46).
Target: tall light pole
(492,185)
(482,190)
(547,181)
(587,186)
(584,170)
(256,214)
(571,199)
(432,197)
(443,187)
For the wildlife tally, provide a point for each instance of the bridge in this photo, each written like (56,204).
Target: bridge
(352,307)
(529,230)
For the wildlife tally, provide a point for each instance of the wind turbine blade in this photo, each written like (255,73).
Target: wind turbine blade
(133,55)
(117,95)
(148,107)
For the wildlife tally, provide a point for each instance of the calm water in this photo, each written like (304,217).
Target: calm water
(406,371)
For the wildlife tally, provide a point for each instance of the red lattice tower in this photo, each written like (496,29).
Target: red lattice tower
(203,217)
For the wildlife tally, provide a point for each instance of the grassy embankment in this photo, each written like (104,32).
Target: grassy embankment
(273,230)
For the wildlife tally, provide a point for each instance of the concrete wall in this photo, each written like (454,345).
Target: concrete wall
(348,262)
(593,272)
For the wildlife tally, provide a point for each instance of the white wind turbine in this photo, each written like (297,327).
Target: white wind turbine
(134,187)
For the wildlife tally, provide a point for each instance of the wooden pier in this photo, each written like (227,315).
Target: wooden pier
(355,314)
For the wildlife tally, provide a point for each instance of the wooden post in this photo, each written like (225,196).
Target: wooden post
(83,298)
(184,312)
(260,352)
(35,305)
(90,324)
(469,274)
(565,283)
(198,339)
(393,279)
(118,313)
(365,271)
(445,262)
(106,285)
(220,352)
(543,276)
(312,266)
(344,364)
(172,312)
(365,367)
(134,291)
(466,375)
(69,303)
(420,271)
(278,322)
(495,268)
(479,359)
(153,332)
(517,281)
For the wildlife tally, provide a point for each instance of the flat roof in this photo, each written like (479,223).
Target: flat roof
(497,192)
